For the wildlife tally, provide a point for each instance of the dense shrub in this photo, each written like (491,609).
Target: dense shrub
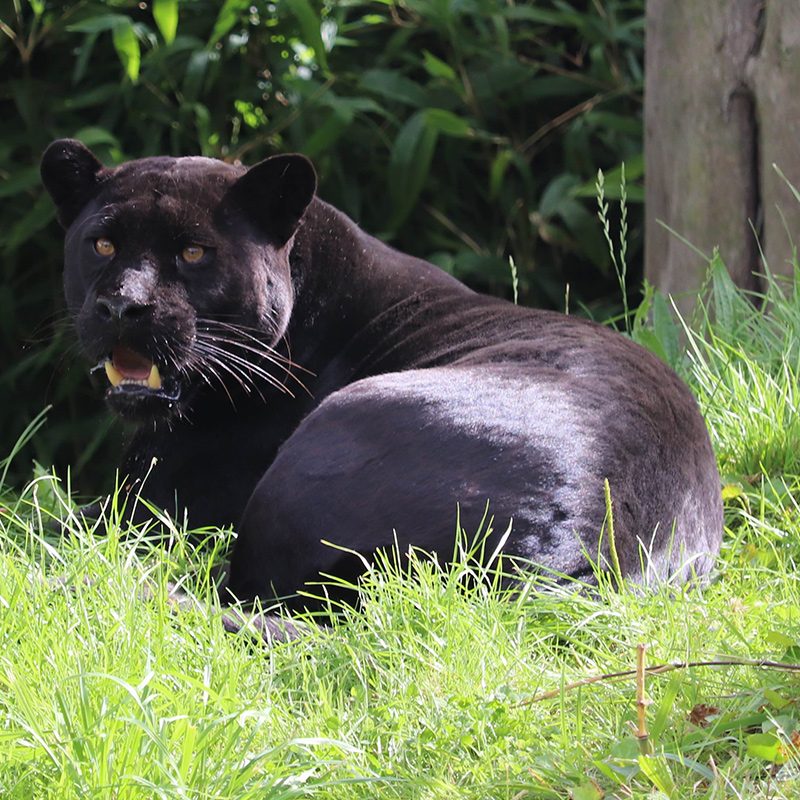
(459,130)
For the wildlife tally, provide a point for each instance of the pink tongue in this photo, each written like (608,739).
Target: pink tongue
(131,365)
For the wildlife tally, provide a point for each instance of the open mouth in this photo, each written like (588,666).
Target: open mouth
(127,369)
(137,388)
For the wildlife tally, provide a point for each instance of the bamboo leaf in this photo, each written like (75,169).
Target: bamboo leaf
(498,170)
(542,16)
(102,22)
(394,86)
(94,135)
(195,74)
(325,135)
(20,181)
(228,16)
(311,27)
(127,46)
(165,13)
(32,222)
(437,68)
(446,122)
(92,97)
(409,165)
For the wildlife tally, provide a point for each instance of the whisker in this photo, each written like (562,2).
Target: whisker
(239,368)
(267,356)
(49,327)
(245,332)
(243,365)
(209,330)
(202,373)
(210,364)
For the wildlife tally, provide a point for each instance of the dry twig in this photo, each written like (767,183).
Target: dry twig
(660,669)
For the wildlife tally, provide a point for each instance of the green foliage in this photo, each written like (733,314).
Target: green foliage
(747,377)
(463,132)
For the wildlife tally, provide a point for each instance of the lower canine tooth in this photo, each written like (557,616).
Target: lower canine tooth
(154,378)
(113,374)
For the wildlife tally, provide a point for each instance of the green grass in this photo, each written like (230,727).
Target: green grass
(107,692)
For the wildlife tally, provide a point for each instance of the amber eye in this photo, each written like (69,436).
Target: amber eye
(192,254)
(104,247)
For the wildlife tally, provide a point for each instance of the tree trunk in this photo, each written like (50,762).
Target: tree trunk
(775,78)
(722,97)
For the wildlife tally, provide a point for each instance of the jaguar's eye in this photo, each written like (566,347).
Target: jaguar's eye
(192,254)
(104,247)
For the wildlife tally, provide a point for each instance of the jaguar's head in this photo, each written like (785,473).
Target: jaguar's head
(176,270)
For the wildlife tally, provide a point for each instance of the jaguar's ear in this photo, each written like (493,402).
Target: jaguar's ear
(71,174)
(276,192)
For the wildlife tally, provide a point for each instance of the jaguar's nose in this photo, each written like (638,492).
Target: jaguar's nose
(119,308)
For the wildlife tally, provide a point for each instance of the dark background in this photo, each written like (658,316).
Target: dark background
(462,131)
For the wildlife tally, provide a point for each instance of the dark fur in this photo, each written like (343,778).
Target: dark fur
(420,395)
